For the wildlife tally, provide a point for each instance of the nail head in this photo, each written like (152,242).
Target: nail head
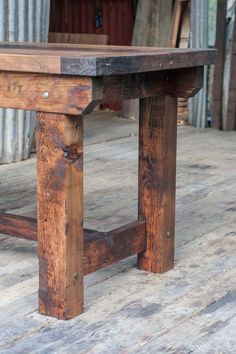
(45,94)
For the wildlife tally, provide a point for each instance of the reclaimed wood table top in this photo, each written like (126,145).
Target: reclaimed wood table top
(97,60)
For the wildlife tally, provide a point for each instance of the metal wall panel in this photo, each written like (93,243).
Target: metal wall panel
(23,21)
(112,17)
(199,39)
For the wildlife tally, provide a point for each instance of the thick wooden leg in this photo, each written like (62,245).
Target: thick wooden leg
(60,214)
(157,174)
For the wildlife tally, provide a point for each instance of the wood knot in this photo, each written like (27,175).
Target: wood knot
(71,153)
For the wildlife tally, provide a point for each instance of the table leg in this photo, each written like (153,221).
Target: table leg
(60,214)
(157,175)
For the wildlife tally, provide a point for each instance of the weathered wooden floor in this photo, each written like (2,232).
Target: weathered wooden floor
(191,309)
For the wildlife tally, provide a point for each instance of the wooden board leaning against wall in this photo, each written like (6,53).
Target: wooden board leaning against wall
(162,24)
(151,28)
(179,38)
(223,108)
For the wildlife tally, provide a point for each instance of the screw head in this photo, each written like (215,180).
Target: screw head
(45,94)
(168,234)
(76,275)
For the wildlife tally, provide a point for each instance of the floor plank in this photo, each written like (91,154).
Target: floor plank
(188,310)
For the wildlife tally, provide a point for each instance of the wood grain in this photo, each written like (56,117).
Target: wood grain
(111,247)
(217,86)
(60,214)
(19,226)
(230,123)
(119,63)
(94,60)
(29,63)
(73,95)
(68,95)
(121,301)
(78,38)
(101,249)
(124,87)
(157,170)
(183,83)
(176,21)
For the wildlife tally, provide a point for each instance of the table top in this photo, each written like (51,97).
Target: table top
(97,60)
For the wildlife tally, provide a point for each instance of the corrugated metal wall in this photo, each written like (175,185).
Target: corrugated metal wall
(20,20)
(112,17)
(199,39)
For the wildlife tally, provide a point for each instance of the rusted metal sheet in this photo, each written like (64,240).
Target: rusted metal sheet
(112,17)
(20,20)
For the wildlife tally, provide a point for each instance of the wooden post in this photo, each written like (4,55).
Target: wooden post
(229,123)
(218,77)
(60,214)
(157,174)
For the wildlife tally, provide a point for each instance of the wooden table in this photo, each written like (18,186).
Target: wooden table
(62,83)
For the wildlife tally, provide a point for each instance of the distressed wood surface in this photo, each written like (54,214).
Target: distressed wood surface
(152,25)
(218,74)
(189,309)
(46,93)
(18,226)
(113,246)
(81,38)
(184,83)
(100,250)
(85,60)
(73,95)
(60,214)
(157,170)
(230,120)
(176,21)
